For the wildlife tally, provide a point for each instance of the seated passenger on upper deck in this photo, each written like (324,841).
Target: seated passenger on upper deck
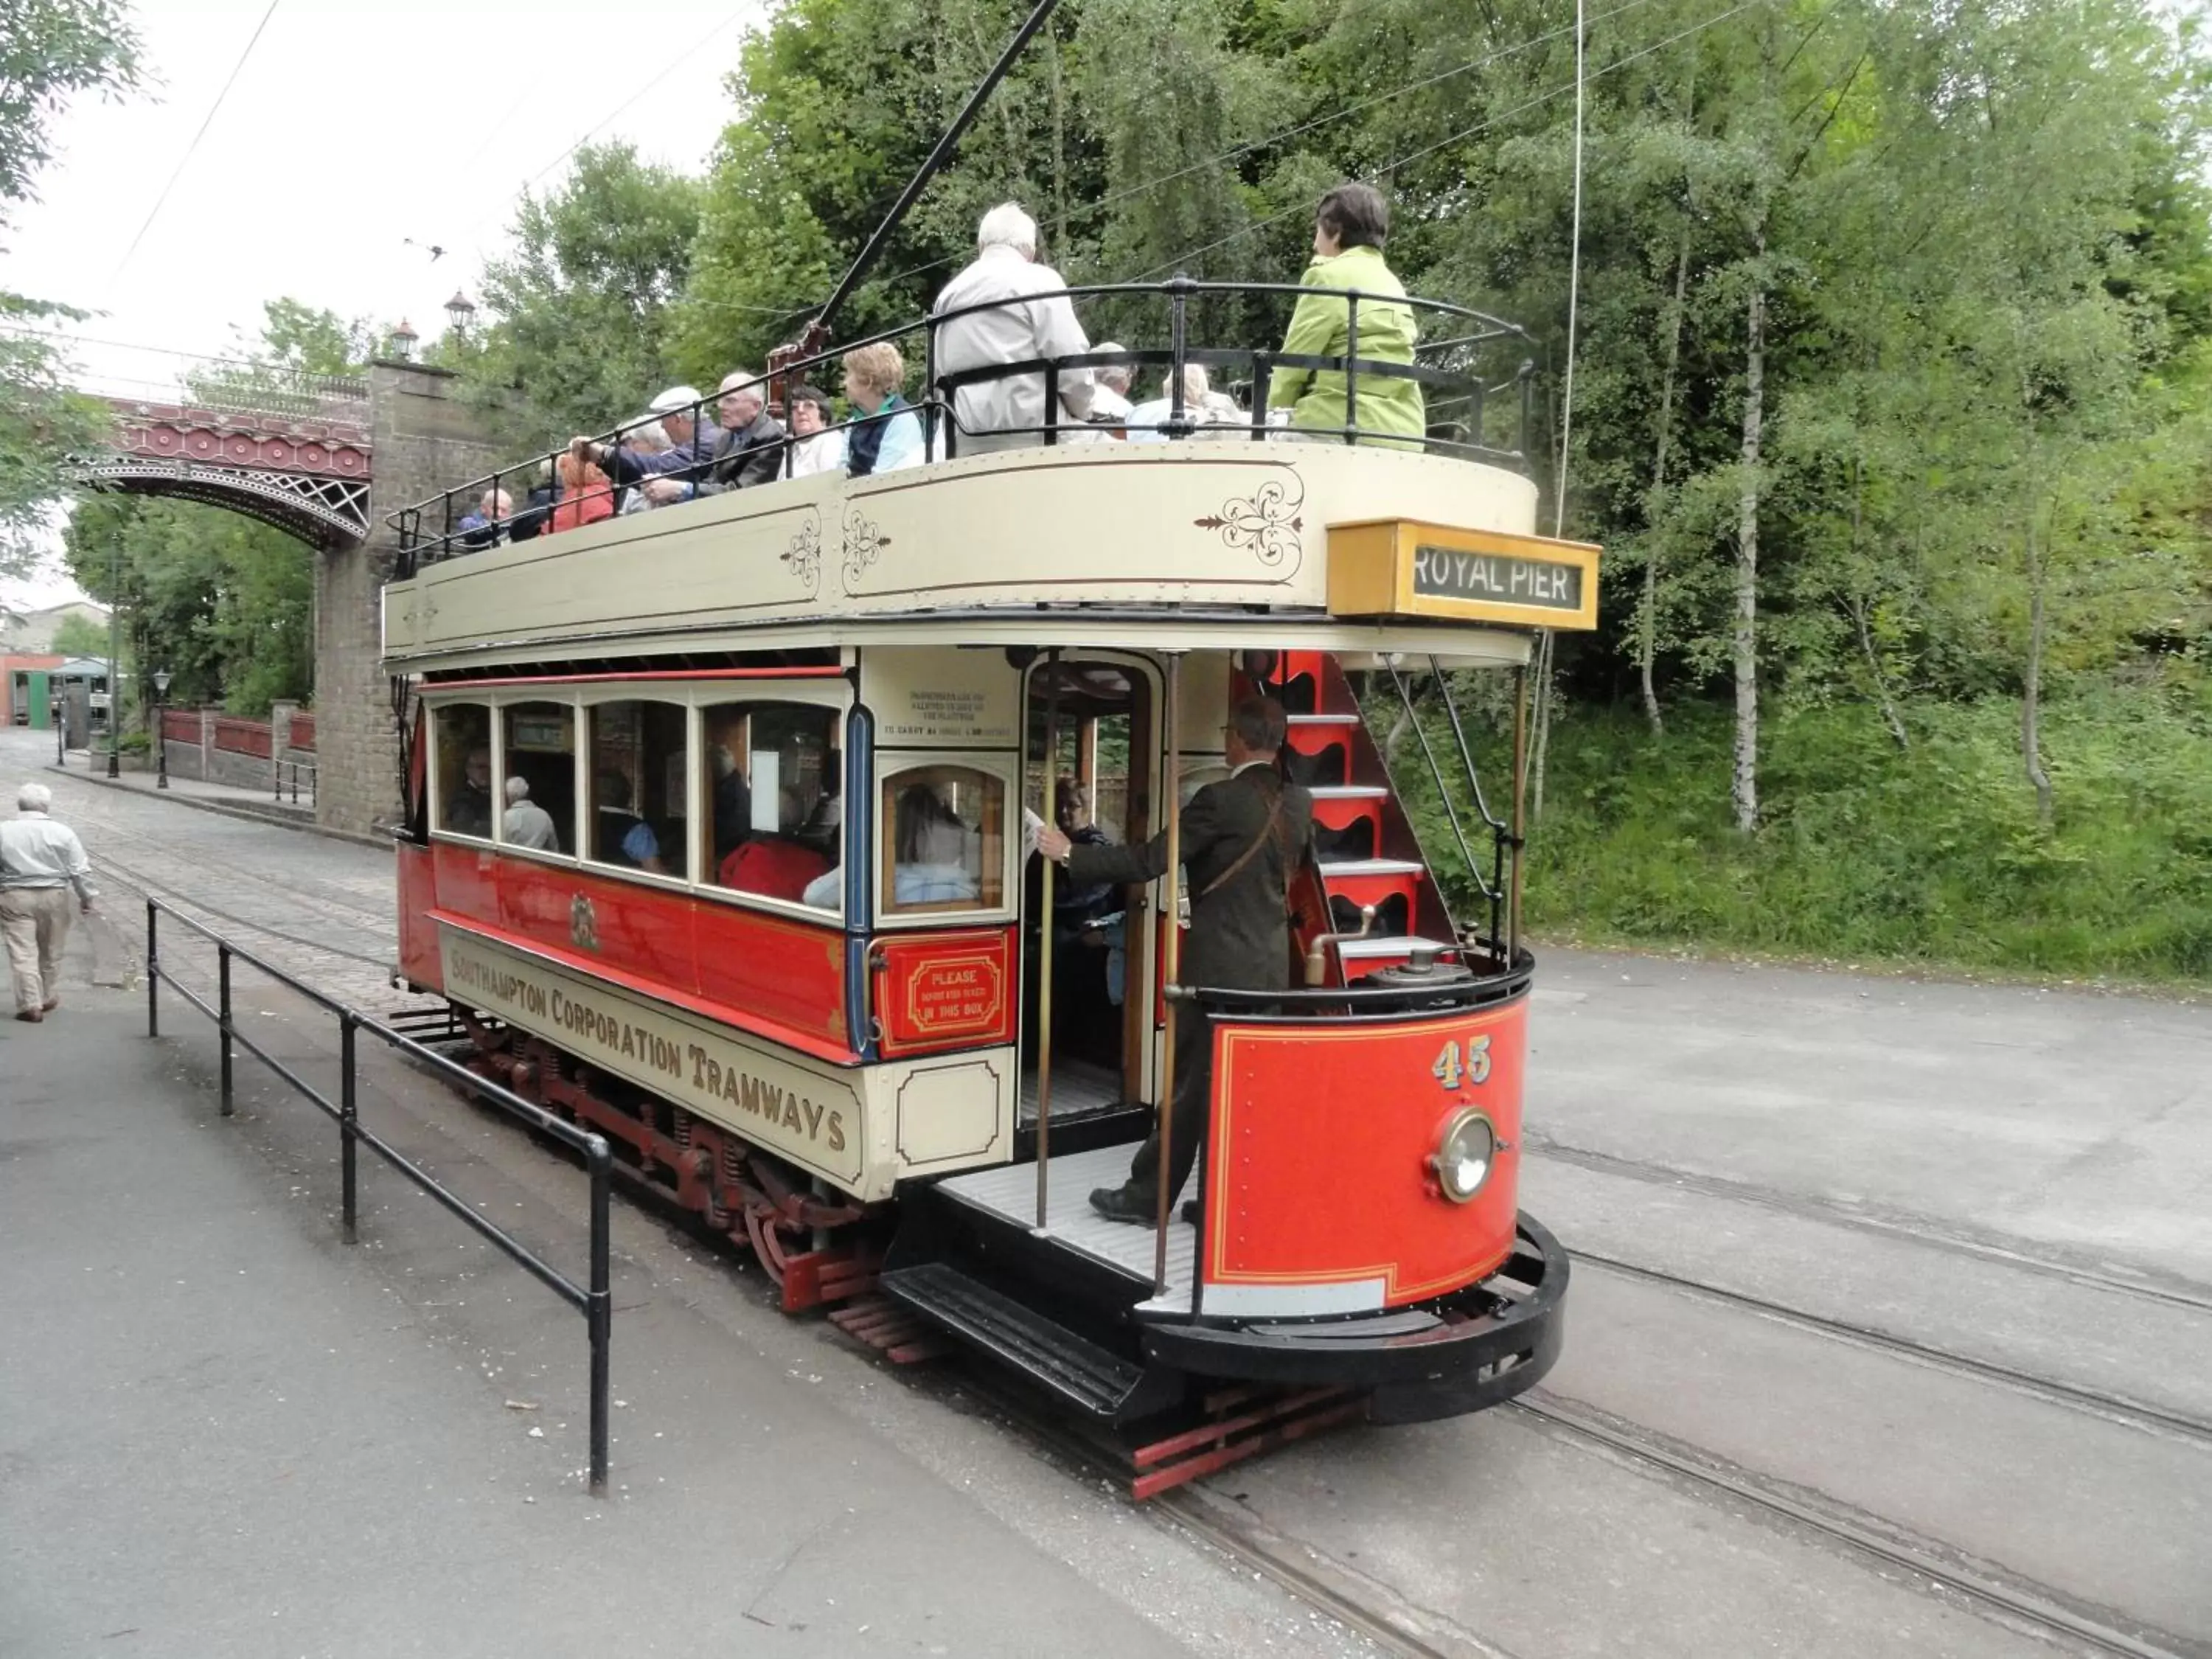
(751,451)
(619,836)
(814,447)
(873,377)
(691,448)
(1038,320)
(1349,227)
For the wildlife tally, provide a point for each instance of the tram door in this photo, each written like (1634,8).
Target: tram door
(1099,737)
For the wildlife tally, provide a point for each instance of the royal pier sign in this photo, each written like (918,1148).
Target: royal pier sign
(1402,568)
(767,1096)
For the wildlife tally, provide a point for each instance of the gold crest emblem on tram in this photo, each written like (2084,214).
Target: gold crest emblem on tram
(583,924)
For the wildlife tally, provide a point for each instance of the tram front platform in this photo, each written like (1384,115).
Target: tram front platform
(226,1433)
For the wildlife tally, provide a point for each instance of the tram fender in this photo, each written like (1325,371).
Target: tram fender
(1485,1345)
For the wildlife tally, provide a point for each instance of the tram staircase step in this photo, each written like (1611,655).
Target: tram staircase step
(1066,1365)
(1364,848)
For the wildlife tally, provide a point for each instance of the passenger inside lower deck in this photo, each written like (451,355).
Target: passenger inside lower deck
(619,835)
(776,818)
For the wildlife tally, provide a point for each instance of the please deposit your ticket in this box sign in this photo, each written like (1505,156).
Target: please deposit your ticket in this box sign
(1400,567)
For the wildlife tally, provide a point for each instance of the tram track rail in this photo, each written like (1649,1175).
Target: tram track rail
(2111,1407)
(2034,1607)
(150,886)
(1911,1229)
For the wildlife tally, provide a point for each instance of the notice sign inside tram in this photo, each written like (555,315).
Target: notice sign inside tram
(1400,567)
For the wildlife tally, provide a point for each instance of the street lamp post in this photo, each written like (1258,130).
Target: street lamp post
(114,652)
(161,727)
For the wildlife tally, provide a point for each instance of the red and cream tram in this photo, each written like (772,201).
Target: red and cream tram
(766,916)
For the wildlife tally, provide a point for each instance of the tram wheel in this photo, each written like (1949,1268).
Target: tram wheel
(774,1242)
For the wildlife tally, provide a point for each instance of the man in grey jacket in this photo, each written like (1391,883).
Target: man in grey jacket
(39,861)
(1033,320)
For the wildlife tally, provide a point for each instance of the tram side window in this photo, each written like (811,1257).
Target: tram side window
(464,749)
(640,771)
(770,782)
(541,750)
(946,829)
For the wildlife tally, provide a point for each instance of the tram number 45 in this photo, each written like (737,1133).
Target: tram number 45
(1450,1071)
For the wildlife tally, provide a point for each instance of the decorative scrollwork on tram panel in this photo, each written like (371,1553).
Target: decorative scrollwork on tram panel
(863,542)
(1267,522)
(804,555)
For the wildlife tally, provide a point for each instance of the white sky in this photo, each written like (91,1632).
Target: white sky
(352,128)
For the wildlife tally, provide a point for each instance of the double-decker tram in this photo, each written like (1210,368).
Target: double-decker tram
(765,910)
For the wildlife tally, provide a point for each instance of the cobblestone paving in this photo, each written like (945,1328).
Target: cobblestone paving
(321,909)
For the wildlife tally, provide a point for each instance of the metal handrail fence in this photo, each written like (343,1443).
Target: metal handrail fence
(594,1300)
(432,529)
(278,769)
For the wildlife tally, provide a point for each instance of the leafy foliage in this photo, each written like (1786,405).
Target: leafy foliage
(1963,254)
(579,337)
(79,636)
(50,51)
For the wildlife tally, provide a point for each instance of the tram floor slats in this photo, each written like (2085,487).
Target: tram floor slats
(1078,1088)
(1009,1191)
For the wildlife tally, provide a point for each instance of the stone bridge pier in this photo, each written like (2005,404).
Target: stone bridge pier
(423,438)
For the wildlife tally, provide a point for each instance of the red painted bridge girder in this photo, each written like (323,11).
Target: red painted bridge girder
(307,474)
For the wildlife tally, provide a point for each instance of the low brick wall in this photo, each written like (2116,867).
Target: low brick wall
(212,747)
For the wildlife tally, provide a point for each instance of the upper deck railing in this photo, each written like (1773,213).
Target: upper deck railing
(1476,381)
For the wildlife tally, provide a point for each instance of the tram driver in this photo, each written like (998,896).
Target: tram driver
(1242,840)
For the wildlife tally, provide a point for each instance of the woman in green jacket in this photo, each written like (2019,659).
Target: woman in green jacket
(1349,227)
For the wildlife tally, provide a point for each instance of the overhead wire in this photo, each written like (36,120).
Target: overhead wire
(619,111)
(185,161)
(1312,123)
(1461,136)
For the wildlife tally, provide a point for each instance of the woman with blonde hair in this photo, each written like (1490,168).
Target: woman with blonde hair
(886,433)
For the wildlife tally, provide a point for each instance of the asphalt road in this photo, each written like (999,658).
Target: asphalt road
(1926,1266)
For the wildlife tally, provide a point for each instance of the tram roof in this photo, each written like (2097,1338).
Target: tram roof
(1193,545)
(1224,536)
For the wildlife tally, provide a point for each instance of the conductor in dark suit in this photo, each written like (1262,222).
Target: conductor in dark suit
(1242,840)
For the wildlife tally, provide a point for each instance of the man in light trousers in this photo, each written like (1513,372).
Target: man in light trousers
(39,861)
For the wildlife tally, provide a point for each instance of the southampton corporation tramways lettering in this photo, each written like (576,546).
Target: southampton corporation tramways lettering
(690,1068)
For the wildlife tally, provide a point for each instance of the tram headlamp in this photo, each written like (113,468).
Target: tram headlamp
(1465,1154)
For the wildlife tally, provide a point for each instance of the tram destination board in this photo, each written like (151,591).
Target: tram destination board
(1402,568)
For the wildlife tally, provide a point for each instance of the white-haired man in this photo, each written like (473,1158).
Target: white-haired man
(1030,318)
(751,450)
(39,861)
(691,446)
(525,823)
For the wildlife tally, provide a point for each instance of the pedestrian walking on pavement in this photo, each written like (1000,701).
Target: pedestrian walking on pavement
(39,861)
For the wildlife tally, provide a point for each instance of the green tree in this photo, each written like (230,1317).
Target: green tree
(51,51)
(80,636)
(579,305)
